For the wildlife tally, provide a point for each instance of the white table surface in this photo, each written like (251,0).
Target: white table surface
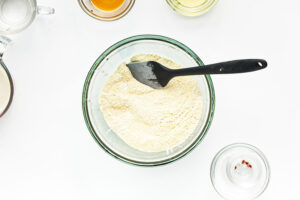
(46,151)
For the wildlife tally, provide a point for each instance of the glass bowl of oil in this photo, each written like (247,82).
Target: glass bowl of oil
(192,7)
(106,10)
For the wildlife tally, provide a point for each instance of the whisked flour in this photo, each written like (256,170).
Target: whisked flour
(147,119)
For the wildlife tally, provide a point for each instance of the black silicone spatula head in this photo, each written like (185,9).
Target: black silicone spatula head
(156,75)
(150,73)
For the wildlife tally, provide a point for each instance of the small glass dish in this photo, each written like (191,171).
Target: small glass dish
(106,65)
(192,10)
(89,8)
(240,172)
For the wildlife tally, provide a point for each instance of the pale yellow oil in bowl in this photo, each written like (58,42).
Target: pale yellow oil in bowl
(191,3)
(192,7)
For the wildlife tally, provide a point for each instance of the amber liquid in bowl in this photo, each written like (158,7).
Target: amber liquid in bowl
(107,5)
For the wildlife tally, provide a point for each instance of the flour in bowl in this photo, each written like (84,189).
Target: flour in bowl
(151,120)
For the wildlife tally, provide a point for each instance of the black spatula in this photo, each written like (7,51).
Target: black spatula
(155,75)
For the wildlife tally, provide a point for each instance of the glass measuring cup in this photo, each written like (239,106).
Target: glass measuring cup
(17,15)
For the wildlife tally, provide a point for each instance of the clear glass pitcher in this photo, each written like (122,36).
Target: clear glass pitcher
(17,15)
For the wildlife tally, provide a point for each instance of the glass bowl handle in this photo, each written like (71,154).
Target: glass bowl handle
(4,41)
(43,10)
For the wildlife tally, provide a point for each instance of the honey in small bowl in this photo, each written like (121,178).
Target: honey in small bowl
(107,5)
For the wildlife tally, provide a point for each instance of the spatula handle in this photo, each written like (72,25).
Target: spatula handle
(230,67)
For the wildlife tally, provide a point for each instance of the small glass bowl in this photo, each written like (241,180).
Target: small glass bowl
(106,65)
(89,8)
(194,10)
(240,172)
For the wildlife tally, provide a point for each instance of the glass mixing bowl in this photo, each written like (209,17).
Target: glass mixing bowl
(107,63)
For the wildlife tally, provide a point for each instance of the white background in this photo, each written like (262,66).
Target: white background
(46,151)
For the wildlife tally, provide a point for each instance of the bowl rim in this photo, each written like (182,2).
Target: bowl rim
(87,84)
(11,83)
